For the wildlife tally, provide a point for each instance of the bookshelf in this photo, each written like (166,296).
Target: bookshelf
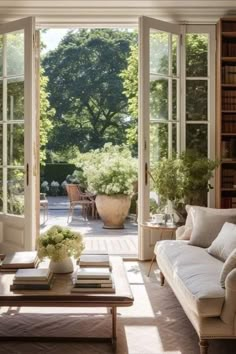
(226,113)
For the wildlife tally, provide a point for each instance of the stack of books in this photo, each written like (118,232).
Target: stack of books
(13,261)
(94,260)
(94,280)
(32,279)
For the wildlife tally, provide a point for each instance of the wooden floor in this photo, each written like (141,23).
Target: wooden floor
(118,242)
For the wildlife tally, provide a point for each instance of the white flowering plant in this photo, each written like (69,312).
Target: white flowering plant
(110,170)
(59,243)
(54,188)
(44,187)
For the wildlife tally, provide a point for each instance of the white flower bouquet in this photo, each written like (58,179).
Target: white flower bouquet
(58,243)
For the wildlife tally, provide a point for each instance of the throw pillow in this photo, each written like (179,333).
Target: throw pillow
(224,243)
(229,265)
(207,223)
(183,233)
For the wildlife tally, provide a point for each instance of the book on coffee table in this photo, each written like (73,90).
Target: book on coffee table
(94,260)
(32,279)
(91,290)
(93,273)
(32,274)
(16,260)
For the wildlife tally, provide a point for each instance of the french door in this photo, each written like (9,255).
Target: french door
(176,103)
(18,148)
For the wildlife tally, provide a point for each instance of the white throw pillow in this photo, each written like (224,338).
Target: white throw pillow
(229,265)
(183,233)
(207,223)
(224,243)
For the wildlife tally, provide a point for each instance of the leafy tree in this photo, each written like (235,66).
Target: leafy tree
(46,115)
(86,88)
(196,65)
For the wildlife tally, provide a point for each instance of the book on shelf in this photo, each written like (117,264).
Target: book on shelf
(94,260)
(93,290)
(20,260)
(93,273)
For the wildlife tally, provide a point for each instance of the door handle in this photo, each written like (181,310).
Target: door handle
(146,174)
(27,174)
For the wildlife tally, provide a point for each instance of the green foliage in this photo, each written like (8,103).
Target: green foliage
(57,171)
(46,115)
(59,243)
(86,88)
(196,48)
(109,170)
(184,178)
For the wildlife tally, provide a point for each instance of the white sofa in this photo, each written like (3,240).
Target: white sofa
(194,276)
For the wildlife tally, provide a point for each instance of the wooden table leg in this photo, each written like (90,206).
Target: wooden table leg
(114,315)
(150,268)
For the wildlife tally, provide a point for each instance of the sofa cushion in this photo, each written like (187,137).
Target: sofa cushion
(229,265)
(224,243)
(194,273)
(207,224)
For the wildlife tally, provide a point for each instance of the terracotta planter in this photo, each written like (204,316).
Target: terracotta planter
(113,209)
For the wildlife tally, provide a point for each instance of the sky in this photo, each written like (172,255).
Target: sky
(52,37)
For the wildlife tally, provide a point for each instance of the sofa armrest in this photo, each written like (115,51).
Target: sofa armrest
(229,307)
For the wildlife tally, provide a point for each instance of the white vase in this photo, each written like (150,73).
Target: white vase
(62,267)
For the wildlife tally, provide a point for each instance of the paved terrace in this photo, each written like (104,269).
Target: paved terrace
(117,242)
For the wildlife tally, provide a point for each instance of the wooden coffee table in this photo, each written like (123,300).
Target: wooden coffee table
(60,296)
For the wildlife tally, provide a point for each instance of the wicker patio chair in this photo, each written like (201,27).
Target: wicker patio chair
(76,197)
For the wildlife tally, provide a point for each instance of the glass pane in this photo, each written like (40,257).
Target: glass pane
(196,100)
(159,52)
(15,189)
(158,141)
(15,144)
(159,99)
(196,54)
(197,137)
(1,196)
(15,53)
(174,54)
(1,46)
(15,99)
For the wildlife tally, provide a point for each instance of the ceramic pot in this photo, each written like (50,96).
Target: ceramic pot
(113,209)
(62,267)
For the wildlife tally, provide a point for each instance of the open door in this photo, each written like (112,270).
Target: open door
(159,113)
(18,150)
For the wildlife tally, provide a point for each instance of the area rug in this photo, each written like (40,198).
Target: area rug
(155,324)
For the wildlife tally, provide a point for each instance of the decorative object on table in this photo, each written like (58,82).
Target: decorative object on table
(60,244)
(16,260)
(111,173)
(32,279)
(183,180)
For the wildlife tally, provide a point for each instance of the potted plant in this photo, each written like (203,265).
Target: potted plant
(183,179)
(111,173)
(59,244)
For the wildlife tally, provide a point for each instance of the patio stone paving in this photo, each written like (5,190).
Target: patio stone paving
(120,242)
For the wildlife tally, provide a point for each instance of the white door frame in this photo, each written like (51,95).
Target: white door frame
(19,232)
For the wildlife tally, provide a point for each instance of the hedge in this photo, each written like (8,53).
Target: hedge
(56,172)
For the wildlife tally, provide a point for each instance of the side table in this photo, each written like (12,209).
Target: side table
(162,228)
